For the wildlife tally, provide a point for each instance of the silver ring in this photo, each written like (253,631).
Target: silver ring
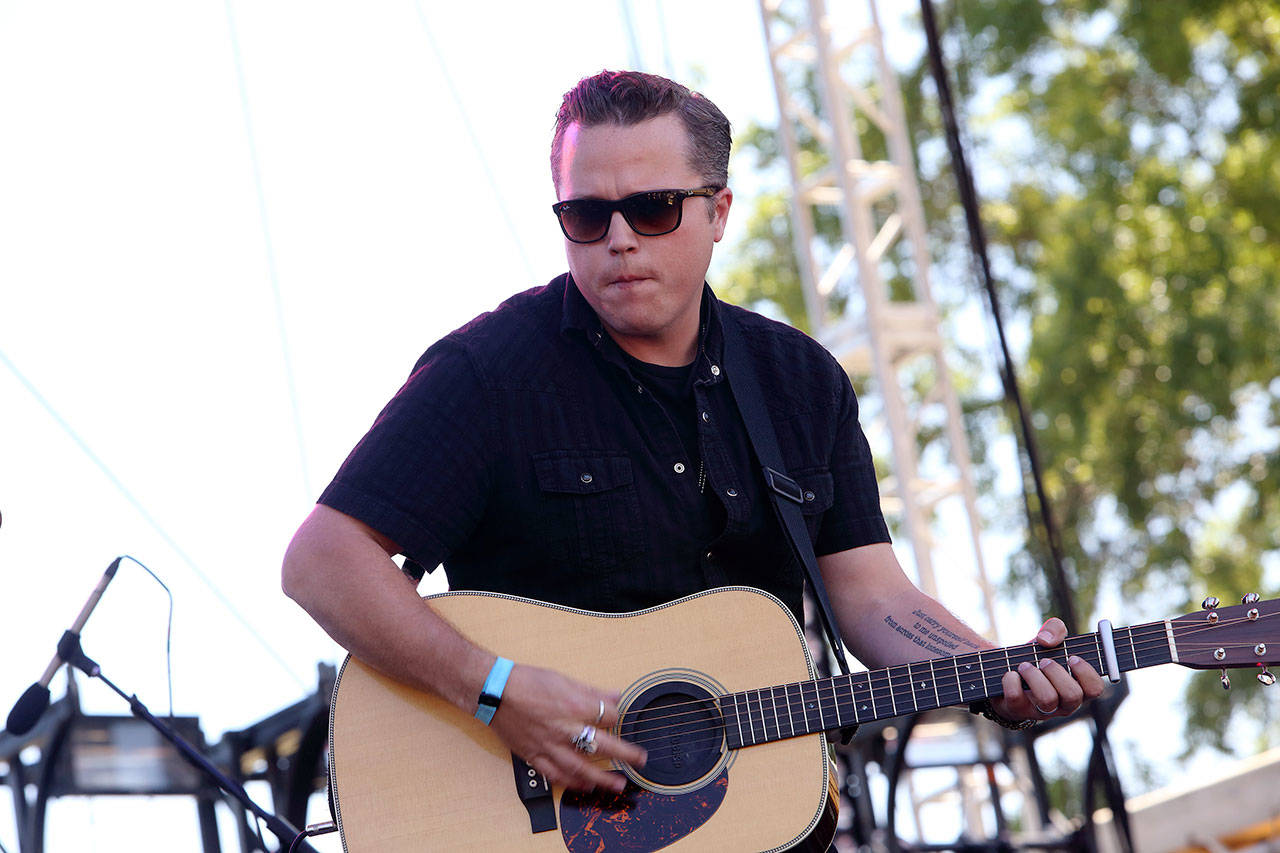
(600,716)
(586,740)
(1043,711)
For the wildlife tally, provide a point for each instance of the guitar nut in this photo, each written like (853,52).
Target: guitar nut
(1219,654)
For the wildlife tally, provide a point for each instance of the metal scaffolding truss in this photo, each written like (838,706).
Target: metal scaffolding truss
(896,340)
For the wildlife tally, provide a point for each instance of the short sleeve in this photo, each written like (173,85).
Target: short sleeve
(855,518)
(420,475)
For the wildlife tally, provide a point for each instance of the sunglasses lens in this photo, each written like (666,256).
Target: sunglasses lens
(653,213)
(584,221)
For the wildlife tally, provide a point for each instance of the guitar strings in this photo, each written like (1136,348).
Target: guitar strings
(1154,637)
(874,685)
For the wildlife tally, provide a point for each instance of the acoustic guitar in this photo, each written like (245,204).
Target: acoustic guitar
(719,688)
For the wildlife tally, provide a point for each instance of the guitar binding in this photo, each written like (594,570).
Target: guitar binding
(675,715)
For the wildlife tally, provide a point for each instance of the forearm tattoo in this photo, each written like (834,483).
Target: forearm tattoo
(931,635)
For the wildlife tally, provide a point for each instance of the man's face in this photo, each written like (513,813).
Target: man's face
(646,290)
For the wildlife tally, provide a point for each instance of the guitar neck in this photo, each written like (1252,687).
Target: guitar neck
(827,704)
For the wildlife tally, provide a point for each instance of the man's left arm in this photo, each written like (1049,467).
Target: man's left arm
(886,620)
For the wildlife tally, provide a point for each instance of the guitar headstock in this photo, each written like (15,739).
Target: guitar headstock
(1242,635)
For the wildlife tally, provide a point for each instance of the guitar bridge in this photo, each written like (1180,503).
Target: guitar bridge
(535,794)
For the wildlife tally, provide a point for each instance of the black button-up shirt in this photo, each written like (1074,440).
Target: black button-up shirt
(526,456)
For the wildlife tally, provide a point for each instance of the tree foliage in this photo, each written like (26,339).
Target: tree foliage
(1129,163)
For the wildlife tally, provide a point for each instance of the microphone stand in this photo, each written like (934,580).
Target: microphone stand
(291,838)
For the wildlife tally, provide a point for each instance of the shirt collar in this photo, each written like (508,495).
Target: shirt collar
(578,317)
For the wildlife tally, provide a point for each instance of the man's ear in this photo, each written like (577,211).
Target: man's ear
(720,211)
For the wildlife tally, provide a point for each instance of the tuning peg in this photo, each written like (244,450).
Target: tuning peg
(1267,678)
(1250,598)
(1209,603)
(1226,680)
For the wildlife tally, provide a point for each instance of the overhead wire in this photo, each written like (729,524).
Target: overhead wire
(624,6)
(474,139)
(269,250)
(146,515)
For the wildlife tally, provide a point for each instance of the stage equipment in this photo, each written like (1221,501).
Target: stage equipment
(35,700)
(287,750)
(109,754)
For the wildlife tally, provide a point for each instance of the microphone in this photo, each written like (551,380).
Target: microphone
(27,710)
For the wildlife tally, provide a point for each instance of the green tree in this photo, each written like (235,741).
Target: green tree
(1129,162)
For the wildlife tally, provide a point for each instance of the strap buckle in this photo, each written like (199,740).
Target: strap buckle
(784,486)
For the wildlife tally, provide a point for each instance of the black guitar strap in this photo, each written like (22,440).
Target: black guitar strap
(786,493)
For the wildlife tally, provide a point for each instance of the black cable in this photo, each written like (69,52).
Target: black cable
(978,243)
(1064,604)
(168,633)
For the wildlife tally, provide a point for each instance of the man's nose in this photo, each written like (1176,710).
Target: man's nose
(621,238)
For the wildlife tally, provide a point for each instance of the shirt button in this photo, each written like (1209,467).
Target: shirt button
(706,418)
(733,493)
(809,496)
(678,467)
(711,555)
(586,478)
(715,370)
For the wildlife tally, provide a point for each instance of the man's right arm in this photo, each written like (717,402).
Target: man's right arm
(340,571)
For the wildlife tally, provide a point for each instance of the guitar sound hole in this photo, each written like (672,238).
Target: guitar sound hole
(680,726)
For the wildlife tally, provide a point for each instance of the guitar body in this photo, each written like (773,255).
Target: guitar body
(409,772)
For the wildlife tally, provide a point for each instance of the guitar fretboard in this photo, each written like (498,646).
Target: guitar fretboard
(790,710)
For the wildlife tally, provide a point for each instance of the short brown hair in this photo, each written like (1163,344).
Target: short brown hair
(630,97)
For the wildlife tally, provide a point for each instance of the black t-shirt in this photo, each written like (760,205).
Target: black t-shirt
(528,457)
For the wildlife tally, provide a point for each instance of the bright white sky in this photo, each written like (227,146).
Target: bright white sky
(204,203)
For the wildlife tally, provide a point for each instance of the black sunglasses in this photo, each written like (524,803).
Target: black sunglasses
(650,214)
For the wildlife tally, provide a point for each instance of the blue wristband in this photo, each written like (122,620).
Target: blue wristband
(491,693)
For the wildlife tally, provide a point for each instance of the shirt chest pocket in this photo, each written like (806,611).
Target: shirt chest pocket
(589,509)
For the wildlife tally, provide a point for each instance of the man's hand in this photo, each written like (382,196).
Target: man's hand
(540,715)
(1052,690)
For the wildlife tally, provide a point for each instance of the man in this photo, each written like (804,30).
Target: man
(579,445)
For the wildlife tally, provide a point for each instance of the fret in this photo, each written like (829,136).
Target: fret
(1029,653)
(853,704)
(946,682)
(900,677)
(1155,638)
(777,730)
(817,700)
(737,719)
(1133,650)
(933,679)
(919,685)
(864,705)
(764,731)
(991,680)
(974,683)
(835,702)
(751,725)
(786,697)
(809,706)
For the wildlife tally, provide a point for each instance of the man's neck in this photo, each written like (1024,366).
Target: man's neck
(656,351)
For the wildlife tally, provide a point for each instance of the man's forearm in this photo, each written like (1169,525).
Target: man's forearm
(347,582)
